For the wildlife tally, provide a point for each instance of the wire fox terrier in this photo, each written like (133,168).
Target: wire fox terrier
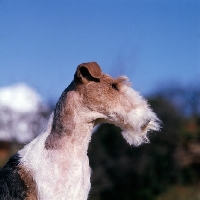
(55,165)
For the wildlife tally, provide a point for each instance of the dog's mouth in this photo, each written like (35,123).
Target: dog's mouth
(138,136)
(151,125)
(144,127)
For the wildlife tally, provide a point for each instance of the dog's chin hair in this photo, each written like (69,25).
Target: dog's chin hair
(134,139)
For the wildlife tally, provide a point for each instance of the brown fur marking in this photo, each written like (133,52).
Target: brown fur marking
(61,112)
(27,177)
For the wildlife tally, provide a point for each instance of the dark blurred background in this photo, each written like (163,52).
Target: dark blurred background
(156,43)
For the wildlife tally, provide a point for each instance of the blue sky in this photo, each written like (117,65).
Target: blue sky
(152,42)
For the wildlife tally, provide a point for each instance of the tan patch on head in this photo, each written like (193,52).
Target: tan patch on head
(103,95)
(27,177)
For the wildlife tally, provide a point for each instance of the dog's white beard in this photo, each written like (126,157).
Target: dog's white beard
(135,132)
(138,121)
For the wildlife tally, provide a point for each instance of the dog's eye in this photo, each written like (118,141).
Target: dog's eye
(114,86)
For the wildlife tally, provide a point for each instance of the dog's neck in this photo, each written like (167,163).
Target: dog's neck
(59,162)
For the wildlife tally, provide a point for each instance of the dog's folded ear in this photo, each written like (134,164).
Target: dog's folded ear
(87,72)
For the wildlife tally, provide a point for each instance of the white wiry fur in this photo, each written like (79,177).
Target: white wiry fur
(63,174)
(136,118)
(61,171)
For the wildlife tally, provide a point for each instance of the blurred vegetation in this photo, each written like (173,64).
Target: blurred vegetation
(166,169)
